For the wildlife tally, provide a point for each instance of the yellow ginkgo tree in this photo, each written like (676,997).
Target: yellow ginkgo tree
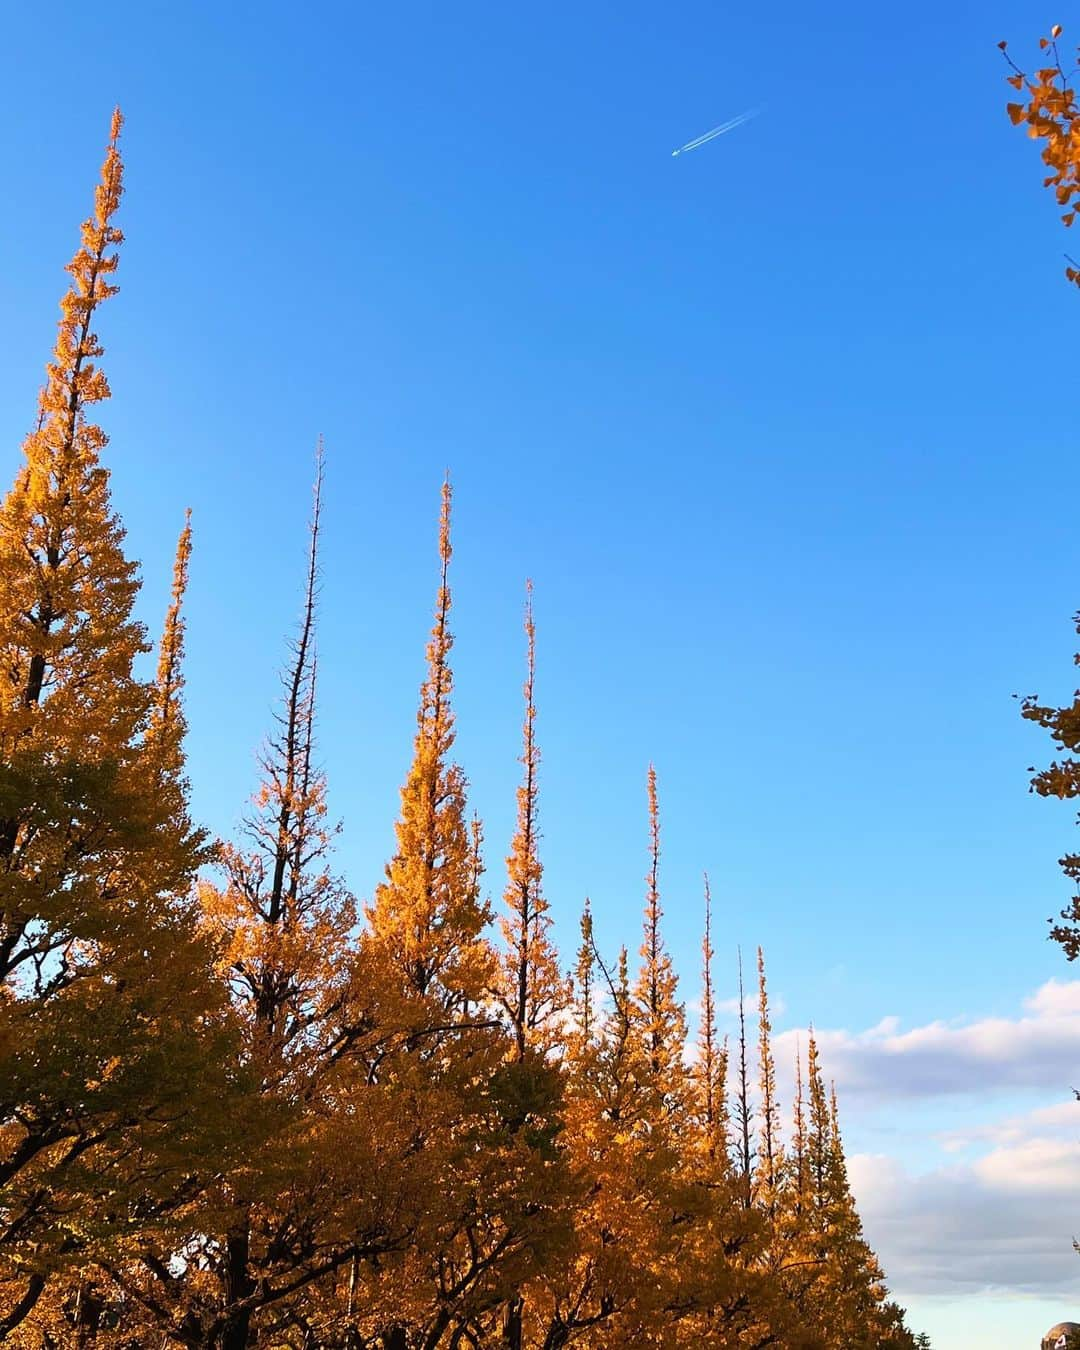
(111,1062)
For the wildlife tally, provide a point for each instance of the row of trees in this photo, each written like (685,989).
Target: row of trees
(239,1109)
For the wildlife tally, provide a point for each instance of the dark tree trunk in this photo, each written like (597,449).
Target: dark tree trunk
(238,1285)
(511,1324)
(24,1306)
(558,1334)
(87,1316)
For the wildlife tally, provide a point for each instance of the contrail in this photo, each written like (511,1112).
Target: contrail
(717,131)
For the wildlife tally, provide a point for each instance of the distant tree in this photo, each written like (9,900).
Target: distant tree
(770,1162)
(660,1016)
(710,1073)
(744,1111)
(427,917)
(529,986)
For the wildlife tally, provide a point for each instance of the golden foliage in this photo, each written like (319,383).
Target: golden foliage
(659,1018)
(1049,111)
(531,990)
(113,1032)
(427,917)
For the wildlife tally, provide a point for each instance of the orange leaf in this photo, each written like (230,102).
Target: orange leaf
(1017,112)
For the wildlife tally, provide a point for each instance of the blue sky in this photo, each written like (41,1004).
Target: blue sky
(778,428)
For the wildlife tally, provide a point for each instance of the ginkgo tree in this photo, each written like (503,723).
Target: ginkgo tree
(113,1066)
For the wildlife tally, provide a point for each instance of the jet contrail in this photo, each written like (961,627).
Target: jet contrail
(717,131)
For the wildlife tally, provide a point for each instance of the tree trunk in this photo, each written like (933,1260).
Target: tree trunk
(558,1334)
(511,1324)
(24,1306)
(87,1316)
(238,1285)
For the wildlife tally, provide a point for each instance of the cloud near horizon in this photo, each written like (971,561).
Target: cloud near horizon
(990,1205)
(1038,1050)
(1005,1223)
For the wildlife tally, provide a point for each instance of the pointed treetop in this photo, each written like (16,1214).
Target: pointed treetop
(707,1030)
(651,947)
(712,1066)
(428,915)
(583,1019)
(769,1161)
(586,956)
(285,919)
(446,551)
(708,1006)
(434,715)
(661,1016)
(798,1136)
(819,1136)
(586,921)
(311,590)
(530,634)
(109,191)
(170,678)
(743,1108)
(67,641)
(532,989)
(73,380)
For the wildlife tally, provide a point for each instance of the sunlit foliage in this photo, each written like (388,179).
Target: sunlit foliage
(1047,107)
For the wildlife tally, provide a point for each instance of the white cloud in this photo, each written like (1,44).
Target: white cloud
(1040,1049)
(1062,1119)
(1005,1223)
(1033,1167)
(1056,998)
(729,1007)
(987,1196)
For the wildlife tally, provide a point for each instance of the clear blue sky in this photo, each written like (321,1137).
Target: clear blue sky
(780,429)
